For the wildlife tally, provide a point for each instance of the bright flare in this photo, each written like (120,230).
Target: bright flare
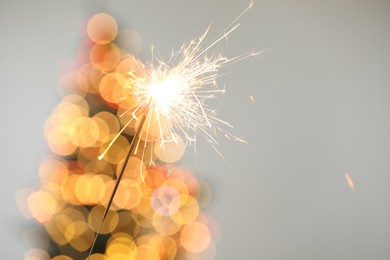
(176,92)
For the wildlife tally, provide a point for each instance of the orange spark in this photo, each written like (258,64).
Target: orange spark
(252,99)
(349,181)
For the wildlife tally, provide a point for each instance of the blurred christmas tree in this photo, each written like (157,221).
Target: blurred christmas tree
(156,212)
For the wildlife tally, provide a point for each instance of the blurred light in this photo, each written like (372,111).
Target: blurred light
(96,214)
(350,182)
(105,57)
(42,206)
(130,40)
(102,28)
(165,225)
(129,194)
(112,87)
(195,237)
(121,246)
(98,257)
(146,252)
(188,210)
(117,151)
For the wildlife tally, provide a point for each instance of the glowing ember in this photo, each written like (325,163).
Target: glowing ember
(350,182)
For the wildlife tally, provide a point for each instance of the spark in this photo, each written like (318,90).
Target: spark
(350,182)
(252,99)
(179,90)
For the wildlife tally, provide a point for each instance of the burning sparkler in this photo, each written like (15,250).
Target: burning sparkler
(170,101)
(176,93)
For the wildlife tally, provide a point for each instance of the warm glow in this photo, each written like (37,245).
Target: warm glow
(349,181)
(165,93)
(195,237)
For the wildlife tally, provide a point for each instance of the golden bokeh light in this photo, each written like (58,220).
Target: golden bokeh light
(68,190)
(103,130)
(116,152)
(195,237)
(42,206)
(165,225)
(98,257)
(177,184)
(83,242)
(146,252)
(155,178)
(128,195)
(166,246)
(188,210)
(133,169)
(131,67)
(102,28)
(99,168)
(84,132)
(89,189)
(109,224)
(121,246)
(85,155)
(85,76)
(59,141)
(112,87)
(95,76)
(191,183)
(105,57)
(53,170)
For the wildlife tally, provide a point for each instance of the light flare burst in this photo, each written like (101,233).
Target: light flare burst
(179,92)
(175,93)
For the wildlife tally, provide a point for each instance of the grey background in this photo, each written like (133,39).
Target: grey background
(321,109)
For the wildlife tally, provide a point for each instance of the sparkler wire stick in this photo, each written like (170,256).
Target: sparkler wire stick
(131,151)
